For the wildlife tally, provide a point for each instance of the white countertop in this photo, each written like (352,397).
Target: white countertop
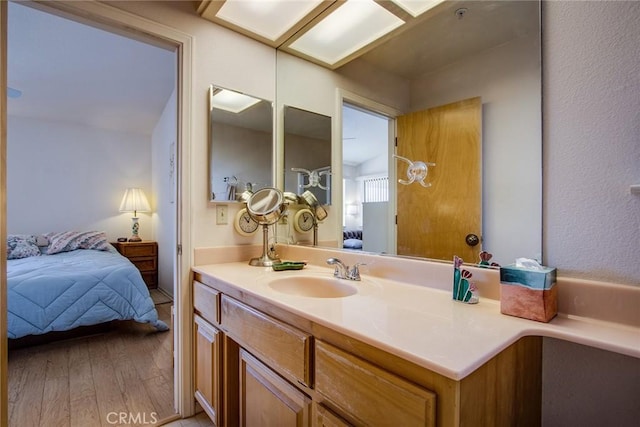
(421,324)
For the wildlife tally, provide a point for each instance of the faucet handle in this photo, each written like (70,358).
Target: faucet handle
(354,273)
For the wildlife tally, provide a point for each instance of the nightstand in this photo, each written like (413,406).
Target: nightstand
(144,255)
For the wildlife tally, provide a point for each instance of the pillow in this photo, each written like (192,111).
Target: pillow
(41,240)
(72,240)
(21,246)
(352,244)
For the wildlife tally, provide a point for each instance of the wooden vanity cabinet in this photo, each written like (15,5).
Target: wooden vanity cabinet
(271,373)
(369,395)
(208,346)
(267,400)
(208,352)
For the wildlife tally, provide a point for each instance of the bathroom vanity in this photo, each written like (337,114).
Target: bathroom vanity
(393,353)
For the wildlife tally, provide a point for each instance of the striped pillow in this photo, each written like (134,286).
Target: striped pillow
(72,240)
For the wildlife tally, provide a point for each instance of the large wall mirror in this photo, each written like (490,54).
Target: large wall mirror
(489,50)
(240,144)
(307,153)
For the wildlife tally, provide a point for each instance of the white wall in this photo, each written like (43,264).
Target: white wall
(591,76)
(511,135)
(592,139)
(70,177)
(163,189)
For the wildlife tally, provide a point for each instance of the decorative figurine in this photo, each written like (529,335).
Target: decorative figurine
(463,290)
(485,258)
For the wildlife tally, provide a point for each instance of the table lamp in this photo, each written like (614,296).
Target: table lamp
(134,201)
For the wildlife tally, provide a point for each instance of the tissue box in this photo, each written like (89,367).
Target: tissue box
(528,293)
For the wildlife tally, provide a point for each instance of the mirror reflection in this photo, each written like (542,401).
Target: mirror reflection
(240,144)
(491,52)
(307,153)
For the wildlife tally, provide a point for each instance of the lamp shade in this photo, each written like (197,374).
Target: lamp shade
(134,201)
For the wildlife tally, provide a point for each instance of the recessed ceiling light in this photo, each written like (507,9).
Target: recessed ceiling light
(267,18)
(232,101)
(350,27)
(417,7)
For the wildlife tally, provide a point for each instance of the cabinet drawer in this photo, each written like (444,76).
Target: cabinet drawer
(151,279)
(145,264)
(139,249)
(370,395)
(206,302)
(279,345)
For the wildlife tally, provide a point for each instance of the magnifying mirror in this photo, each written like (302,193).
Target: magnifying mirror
(266,206)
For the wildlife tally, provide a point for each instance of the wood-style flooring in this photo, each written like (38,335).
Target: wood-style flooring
(91,381)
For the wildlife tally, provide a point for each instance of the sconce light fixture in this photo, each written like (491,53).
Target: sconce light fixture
(352,209)
(135,201)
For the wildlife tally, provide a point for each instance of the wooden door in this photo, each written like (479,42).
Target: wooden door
(208,367)
(267,400)
(433,222)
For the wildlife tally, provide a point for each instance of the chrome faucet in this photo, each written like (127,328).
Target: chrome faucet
(343,271)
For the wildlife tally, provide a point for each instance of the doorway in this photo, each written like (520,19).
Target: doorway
(165,218)
(368,201)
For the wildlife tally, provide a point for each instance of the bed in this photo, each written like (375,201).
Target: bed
(66,285)
(352,239)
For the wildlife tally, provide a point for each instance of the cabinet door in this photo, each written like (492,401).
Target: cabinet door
(208,367)
(368,395)
(324,417)
(267,400)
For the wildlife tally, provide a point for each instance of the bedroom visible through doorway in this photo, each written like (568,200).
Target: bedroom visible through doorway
(91,113)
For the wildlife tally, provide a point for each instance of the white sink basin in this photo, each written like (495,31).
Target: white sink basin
(313,286)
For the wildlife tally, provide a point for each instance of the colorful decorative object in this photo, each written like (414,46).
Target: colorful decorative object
(463,289)
(485,260)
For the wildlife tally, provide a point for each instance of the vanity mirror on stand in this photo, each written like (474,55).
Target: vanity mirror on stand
(266,206)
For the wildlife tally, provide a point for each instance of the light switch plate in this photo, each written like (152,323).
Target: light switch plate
(221,214)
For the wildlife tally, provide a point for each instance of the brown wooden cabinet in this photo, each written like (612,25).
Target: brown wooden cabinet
(277,374)
(208,367)
(144,255)
(267,400)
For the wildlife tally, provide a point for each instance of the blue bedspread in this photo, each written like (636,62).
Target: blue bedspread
(78,288)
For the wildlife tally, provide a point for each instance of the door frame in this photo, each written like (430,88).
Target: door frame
(346,97)
(98,14)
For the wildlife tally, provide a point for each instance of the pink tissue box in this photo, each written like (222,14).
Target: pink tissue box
(531,294)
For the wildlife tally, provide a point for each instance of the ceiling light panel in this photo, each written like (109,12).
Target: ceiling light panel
(267,18)
(347,29)
(417,7)
(232,101)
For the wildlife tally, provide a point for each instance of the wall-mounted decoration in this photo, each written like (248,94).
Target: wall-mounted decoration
(416,171)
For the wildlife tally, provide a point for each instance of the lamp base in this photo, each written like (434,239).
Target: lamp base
(134,230)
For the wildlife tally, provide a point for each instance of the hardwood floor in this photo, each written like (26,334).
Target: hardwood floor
(200,420)
(121,377)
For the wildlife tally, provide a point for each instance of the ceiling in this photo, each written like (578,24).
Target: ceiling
(70,72)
